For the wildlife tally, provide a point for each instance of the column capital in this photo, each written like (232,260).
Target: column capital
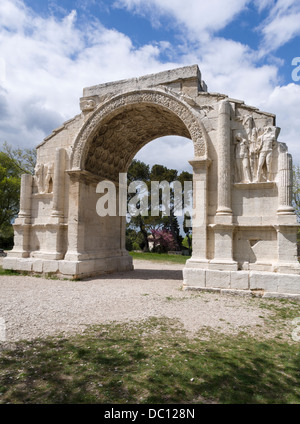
(200,162)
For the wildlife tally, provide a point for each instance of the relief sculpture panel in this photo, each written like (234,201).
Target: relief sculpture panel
(255,152)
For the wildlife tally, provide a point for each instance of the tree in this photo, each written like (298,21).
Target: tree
(187,229)
(139,171)
(9,197)
(134,239)
(163,240)
(24,159)
(296,189)
(162,173)
(13,163)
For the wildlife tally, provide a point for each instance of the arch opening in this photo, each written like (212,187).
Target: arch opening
(118,139)
(170,115)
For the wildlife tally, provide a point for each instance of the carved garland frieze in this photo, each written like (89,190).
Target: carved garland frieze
(152,98)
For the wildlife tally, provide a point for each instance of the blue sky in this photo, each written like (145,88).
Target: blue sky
(51,50)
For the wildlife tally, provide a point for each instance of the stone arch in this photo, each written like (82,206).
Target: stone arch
(58,230)
(147,114)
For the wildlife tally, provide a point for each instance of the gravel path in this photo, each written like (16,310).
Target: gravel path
(36,307)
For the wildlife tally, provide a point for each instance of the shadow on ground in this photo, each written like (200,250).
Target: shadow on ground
(143,274)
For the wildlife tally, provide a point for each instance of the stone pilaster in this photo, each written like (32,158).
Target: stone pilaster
(223,227)
(25,198)
(199,222)
(287,227)
(224,170)
(59,184)
(76,236)
(22,225)
(223,258)
(285,184)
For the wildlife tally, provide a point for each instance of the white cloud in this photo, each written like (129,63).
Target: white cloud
(282,24)
(198,17)
(285,103)
(48,61)
(172,151)
(234,73)
(263,4)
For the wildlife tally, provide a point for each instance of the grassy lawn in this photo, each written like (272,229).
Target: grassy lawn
(164,257)
(153,361)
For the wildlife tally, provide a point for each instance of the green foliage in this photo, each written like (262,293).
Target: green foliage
(188,231)
(296,190)
(9,196)
(6,237)
(134,239)
(13,163)
(187,241)
(23,159)
(139,171)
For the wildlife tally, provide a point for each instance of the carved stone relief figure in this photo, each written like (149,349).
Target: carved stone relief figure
(242,158)
(39,177)
(267,142)
(44,178)
(48,186)
(255,160)
(252,133)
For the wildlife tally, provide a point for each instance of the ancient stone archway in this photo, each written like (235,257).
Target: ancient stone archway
(244,227)
(143,115)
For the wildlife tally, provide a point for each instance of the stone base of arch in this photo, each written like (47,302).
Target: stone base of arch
(71,269)
(244,283)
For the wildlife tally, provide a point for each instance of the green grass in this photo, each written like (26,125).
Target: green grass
(281,309)
(48,276)
(8,272)
(164,257)
(150,362)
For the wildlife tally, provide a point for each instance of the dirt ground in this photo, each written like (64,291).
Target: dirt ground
(37,307)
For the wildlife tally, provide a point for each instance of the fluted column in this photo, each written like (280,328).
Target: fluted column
(59,183)
(285,184)
(223,227)
(22,224)
(224,148)
(287,227)
(25,196)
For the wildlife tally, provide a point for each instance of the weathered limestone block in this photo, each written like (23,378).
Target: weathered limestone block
(239,280)
(194,277)
(266,281)
(218,279)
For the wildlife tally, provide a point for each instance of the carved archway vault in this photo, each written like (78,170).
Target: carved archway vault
(244,225)
(119,128)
